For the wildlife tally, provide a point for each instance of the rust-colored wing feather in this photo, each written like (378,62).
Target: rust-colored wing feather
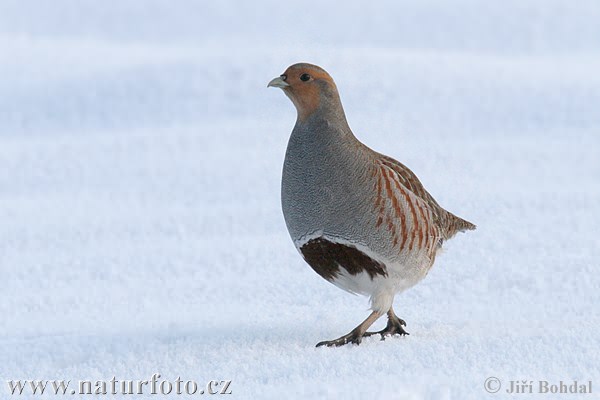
(448,223)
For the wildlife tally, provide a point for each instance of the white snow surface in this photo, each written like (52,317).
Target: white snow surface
(140,165)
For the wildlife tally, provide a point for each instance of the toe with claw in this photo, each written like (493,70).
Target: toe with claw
(353,337)
(393,327)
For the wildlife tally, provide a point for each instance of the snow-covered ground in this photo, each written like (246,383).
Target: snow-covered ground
(140,161)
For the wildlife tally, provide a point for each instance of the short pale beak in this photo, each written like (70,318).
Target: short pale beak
(278,82)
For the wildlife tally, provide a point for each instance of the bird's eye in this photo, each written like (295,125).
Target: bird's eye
(304,77)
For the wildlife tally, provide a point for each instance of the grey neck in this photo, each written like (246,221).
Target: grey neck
(329,119)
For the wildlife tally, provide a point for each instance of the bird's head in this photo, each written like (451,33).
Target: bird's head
(310,88)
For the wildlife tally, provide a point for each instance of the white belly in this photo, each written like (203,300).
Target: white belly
(357,269)
(382,289)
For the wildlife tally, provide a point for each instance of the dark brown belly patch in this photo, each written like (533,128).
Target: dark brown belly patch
(327,257)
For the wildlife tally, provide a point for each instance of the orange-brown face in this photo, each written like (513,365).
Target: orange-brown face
(304,84)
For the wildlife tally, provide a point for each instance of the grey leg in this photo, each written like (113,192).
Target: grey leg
(394,326)
(355,336)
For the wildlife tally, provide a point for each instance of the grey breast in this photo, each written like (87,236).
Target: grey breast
(325,184)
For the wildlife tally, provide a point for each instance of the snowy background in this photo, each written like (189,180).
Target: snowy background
(140,162)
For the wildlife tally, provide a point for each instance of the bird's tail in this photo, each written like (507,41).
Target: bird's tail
(456,224)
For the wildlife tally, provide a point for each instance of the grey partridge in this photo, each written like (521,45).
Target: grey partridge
(360,219)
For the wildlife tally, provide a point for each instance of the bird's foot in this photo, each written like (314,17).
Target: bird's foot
(354,337)
(394,327)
